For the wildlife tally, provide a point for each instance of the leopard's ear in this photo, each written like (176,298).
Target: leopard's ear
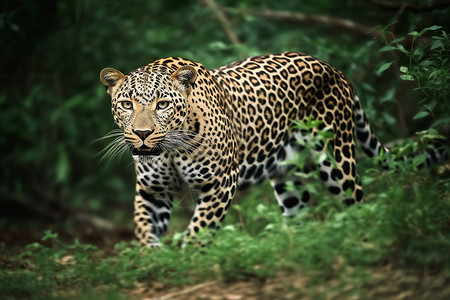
(184,78)
(110,77)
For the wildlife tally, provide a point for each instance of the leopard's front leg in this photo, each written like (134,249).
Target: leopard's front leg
(153,201)
(213,203)
(151,214)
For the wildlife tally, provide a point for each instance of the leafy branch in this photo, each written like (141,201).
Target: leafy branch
(429,68)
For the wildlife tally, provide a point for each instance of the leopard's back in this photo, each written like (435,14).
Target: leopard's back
(267,93)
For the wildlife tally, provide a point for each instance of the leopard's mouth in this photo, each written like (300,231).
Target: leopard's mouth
(144,150)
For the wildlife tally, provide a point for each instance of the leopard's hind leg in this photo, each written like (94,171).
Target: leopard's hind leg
(289,201)
(338,170)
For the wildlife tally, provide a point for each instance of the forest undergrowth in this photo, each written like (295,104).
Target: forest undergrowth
(397,242)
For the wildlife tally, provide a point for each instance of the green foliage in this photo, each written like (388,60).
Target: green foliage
(314,139)
(429,68)
(314,150)
(404,226)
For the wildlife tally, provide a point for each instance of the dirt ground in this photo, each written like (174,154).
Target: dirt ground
(386,283)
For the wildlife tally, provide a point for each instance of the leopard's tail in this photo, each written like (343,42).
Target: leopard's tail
(437,153)
(367,139)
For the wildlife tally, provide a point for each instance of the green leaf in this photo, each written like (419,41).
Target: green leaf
(434,74)
(421,114)
(436,45)
(49,235)
(402,49)
(384,67)
(435,27)
(426,63)
(315,123)
(321,158)
(389,119)
(404,69)
(290,186)
(418,53)
(437,37)
(378,27)
(406,77)
(400,39)
(441,121)
(303,158)
(430,107)
(419,159)
(237,207)
(389,96)
(368,87)
(388,48)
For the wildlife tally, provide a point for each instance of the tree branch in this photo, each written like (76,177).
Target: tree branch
(223,20)
(387,5)
(299,18)
(344,25)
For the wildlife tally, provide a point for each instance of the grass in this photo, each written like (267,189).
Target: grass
(327,251)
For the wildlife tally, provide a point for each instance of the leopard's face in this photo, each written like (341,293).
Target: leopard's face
(149,105)
(148,108)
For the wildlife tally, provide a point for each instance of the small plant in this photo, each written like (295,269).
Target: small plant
(316,136)
(429,67)
(404,227)
(314,150)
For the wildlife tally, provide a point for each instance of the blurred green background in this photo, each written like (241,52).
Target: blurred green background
(53,107)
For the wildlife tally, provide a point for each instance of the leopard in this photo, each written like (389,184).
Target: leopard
(225,129)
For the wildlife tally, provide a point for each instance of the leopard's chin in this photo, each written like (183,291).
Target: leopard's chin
(144,151)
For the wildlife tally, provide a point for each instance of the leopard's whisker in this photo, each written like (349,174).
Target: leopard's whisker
(116,147)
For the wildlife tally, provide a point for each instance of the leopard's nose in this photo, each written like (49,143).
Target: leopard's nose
(143,134)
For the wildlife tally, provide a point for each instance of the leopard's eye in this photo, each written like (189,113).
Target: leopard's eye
(163,104)
(126,105)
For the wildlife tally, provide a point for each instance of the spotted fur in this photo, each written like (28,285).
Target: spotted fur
(228,128)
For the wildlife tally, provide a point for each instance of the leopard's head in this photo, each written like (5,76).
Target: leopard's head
(149,105)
